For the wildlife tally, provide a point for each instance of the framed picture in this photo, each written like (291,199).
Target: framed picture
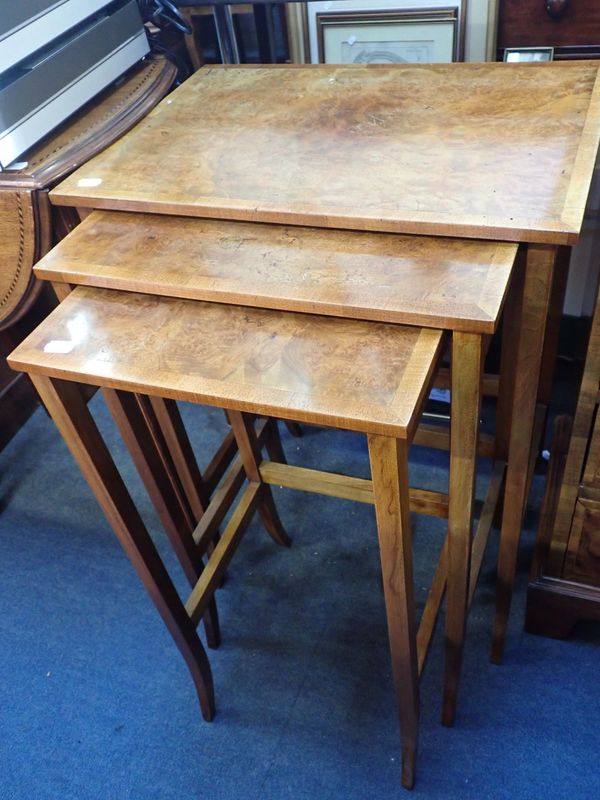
(431,35)
(512,54)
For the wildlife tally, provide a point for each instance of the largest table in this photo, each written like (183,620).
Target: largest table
(488,151)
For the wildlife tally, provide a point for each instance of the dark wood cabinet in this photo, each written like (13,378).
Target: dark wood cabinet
(571,27)
(565,580)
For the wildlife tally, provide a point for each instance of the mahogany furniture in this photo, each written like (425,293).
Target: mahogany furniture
(571,27)
(29,225)
(370,377)
(489,151)
(565,580)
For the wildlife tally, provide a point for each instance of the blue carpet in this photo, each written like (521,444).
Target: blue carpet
(96,701)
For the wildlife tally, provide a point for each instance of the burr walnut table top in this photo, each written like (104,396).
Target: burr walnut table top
(456,284)
(365,376)
(495,151)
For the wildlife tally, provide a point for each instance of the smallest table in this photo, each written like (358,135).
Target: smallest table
(362,376)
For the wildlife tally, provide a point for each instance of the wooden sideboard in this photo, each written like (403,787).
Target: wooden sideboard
(571,27)
(565,580)
(29,226)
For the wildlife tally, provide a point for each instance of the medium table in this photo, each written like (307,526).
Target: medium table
(487,151)
(453,284)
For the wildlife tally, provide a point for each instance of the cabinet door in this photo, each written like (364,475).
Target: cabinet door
(527,23)
(583,558)
(591,474)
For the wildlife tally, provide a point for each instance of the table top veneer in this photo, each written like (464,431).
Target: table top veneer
(365,376)
(496,151)
(456,284)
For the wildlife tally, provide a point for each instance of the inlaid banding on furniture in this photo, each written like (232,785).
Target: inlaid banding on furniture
(501,151)
(350,374)
(456,284)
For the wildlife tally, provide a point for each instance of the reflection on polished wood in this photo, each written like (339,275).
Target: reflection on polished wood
(454,284)
(501,151)
(348,373)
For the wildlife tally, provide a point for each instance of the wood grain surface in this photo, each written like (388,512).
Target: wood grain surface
(364,376)
(443,283)
(501,151)
(27,226)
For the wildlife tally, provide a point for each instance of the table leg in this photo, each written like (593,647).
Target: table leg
(249,448)
(273,443)
(511,321)
(467,363)
(127,415)
(557,300)
(174,445)
(67,408)
(389,470)
(539,270)
(166,427)
(147,452)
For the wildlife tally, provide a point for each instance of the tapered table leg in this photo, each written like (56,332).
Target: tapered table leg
(249,449)
(539,270)
(511,324)
(389,470)
(273,443)
(67,408)
(467,357)
(174,444)
(139,432)
(555,310)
